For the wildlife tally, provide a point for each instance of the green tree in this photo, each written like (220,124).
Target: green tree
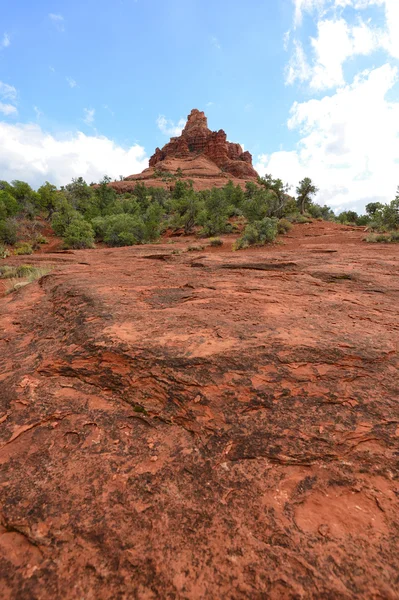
(48,198)
(186,209)
(8,232)
(63,216)
(214,215)
(83,198)
(10,203)
(283,203)
(28,199)
(373,207)
(105,195)
(348,216)
(305,190)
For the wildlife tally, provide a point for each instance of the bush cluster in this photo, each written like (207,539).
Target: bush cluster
(83,214)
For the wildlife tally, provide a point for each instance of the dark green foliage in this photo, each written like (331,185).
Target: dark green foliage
(124,230)
(83,198)
(180,189)
(321,212)
(105,196)
(9,202)
(152,222)
(8,231)
(48,198)
(64,215)
(79,234)
(213,217)
(373,207)
(348,217)
(258,233)
(186,210)
(305,190)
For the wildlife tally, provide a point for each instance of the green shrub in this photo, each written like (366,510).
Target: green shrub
(99,225)
(4,252)
(258,233)
(283,226)
(124,230)
(79,234)
(8,232)
(23,248)
(216,242)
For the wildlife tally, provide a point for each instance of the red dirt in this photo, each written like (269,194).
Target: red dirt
(264,461)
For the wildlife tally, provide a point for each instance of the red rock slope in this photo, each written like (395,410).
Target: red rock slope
(203,425)
(202,155)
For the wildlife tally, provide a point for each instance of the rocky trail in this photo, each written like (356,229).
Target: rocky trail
(203,425)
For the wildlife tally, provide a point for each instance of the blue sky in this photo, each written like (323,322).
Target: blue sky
(309,87)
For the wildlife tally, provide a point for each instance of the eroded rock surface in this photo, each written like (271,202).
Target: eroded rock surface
(199,154)
(207,425)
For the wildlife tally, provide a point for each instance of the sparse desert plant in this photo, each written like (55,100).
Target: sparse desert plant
(4,252)
(40,239)
(381,238)
(301,219)
(22,275)
(23,248)
(195,248)
(216,242)
(283,226)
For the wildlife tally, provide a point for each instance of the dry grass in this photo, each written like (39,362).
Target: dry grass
(17,277)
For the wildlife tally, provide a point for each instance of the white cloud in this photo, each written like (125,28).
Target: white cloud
(298,68)
(7,91)
(71,82)
(215,42)
(168,127)
(340,38)
(30,154)
(392,26)
(352,157)
(335,43)
(89,116)
(57,20)
(322,7)
(5,42)
(38,112)
(7,109)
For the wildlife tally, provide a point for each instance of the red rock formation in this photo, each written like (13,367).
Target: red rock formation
(198,150)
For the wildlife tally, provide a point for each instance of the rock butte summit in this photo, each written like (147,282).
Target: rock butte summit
(202,155)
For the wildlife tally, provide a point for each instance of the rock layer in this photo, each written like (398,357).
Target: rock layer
(203,425)
(200,154)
